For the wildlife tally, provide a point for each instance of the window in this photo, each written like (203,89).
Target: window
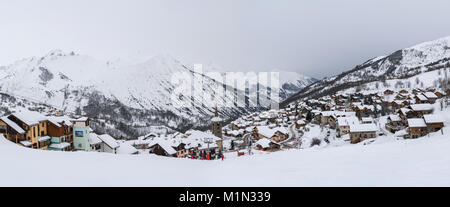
(79,133)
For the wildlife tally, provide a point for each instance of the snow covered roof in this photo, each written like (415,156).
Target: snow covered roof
(430,95)
(265,143)
(30,118)
(268,132)
(433,119)
(165,145)
(347,121)
(422,107)
(61,145)
(93,139)
(363,128)
(395,118)
(367,119)
(126,148)
(421,97)
(13,125)
(58,120)
(110,141)
(416,123)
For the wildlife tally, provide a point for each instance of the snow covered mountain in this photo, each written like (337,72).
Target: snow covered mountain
(292,82)
(128,94)
(402,64)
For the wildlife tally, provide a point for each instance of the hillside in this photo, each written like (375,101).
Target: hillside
(405,63)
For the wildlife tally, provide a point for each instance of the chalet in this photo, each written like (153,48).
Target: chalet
(265,144)
(406,114)
(394,123)
(361,132)
(434,122)
(343,124)
(431,97)
(421,99)
(416,128)
(422,109)
(109,144)
(277,134)
(162,148)
(13,132)
(60,129)
(28,128)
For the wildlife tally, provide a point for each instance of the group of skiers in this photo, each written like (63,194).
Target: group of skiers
(204,155)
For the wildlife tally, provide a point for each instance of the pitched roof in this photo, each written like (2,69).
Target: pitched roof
(265,143)
(430,95)
(93,139)
(433,118)
(110,141)
(416,123)
(126,148)
(363,128)
(30,118)
(395,118)
(422,107)
(13,125)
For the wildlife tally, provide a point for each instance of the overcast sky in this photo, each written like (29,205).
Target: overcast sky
(314,37)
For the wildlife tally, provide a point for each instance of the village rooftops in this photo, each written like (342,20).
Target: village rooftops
(107,139)
(13,125)
(363,128)
(416,123)
(422,107)
(433,119)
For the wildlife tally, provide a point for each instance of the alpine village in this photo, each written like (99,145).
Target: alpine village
(338,119)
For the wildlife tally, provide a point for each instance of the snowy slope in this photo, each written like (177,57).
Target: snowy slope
(404,63)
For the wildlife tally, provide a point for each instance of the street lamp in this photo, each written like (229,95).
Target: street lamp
(208,141)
